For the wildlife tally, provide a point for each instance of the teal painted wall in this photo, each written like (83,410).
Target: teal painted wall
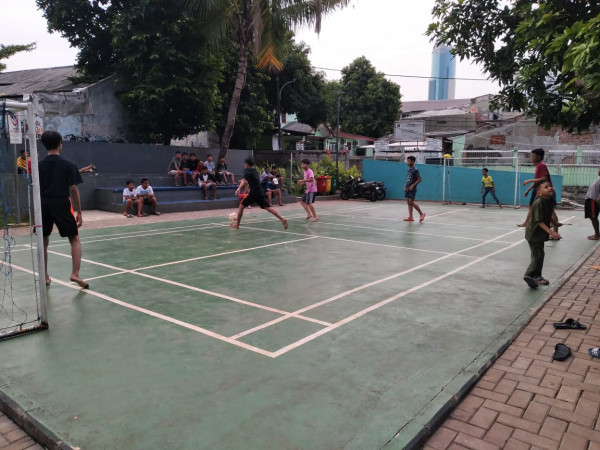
(465,185)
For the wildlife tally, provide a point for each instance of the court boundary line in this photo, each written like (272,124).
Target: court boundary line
(311,337)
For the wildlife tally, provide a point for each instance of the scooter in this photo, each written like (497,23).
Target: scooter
(358,189)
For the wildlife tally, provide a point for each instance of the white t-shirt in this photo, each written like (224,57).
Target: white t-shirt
(128,193)
(141,191)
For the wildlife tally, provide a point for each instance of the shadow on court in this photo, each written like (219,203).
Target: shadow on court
(351,332)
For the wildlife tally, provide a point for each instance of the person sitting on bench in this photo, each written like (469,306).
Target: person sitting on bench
(206,180)
(175,168)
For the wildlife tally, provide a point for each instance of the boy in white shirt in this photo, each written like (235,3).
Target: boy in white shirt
(145,195)
(129,197)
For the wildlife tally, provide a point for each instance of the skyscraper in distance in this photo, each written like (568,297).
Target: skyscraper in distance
(442,85)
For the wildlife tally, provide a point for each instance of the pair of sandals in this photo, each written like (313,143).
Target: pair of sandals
(562,351)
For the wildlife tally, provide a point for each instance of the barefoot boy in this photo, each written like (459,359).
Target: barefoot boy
(538,230)
(413,177)
(308,198)
(256,194)
(59,179)
(592,201)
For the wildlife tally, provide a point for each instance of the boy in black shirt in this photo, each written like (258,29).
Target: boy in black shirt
(59,179)
(256,195)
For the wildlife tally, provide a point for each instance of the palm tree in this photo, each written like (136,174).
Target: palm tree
(257,25)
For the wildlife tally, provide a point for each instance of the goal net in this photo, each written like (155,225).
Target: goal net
(22,296)
(462,180)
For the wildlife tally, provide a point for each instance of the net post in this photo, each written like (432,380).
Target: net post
(517,173)
(444,181)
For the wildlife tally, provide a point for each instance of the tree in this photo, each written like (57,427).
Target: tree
(544,54)
(306,96)
(257,24)
(6,51)
(167,76)
(370,103)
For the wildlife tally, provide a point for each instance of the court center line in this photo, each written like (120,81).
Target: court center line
(155,315)
(359,314)
(232,252)
(121,271)
(367,285)
(395,297)
(354,241)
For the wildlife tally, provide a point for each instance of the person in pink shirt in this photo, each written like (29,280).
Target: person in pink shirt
(308,198)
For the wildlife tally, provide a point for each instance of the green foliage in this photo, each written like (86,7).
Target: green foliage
(167,74)
(544,54)
(370,103)
(344,175)
(6,51)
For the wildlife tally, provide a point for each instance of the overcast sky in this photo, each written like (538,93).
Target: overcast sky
(389,33)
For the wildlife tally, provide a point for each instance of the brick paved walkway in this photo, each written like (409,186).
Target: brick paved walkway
(527,401)
(14,438)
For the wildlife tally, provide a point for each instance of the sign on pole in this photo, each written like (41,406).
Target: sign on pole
(434,144)
(14,129)
(409,130)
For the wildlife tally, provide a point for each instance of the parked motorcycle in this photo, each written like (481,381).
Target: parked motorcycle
(353,188)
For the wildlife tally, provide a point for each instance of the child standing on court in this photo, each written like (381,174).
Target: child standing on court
(308,198)
(538,230)
(592,201)
(256,194)
(413,177)
(487,186)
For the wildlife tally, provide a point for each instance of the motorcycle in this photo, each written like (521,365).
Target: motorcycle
(353,188)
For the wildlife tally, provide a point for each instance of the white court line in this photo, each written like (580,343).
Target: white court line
(156,315)
(370,284)
(404,232)
(359,314)
(232,252)
(120,271)
(352,241)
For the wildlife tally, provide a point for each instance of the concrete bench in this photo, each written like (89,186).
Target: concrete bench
(174,199)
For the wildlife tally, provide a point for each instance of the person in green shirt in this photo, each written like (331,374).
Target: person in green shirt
(537,231)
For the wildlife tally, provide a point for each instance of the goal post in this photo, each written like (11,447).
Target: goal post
(23,305)
(461,181)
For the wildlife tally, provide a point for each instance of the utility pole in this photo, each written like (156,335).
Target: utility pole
(279,110)
(338,94)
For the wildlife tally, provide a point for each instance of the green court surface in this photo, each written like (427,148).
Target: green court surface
(351,332)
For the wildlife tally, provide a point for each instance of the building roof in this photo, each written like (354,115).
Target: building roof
(347,135)
(49,80)
(298,128)
(435,105)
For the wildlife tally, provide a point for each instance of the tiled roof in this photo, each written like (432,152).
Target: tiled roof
(49,80)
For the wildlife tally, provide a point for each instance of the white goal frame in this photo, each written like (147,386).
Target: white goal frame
(37,210)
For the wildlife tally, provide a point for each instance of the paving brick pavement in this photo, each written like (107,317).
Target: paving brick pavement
(527,401)
(14,438)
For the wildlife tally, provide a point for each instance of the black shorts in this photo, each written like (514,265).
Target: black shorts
(410,194)
(260,200)
(591,208)
(60,212)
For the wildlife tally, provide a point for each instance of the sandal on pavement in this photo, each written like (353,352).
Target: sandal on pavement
(594,352)
(570,324)
(408,219)
(561,352)
(542,281)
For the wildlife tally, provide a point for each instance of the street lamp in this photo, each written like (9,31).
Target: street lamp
(279,110)
(338,94)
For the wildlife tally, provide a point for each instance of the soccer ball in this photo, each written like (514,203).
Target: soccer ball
(233,216)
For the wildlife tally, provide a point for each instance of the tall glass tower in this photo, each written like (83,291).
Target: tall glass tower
(442,86)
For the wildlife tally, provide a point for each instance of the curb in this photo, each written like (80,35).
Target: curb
(39,432)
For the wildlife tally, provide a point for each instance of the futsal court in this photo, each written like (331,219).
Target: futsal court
(351,332)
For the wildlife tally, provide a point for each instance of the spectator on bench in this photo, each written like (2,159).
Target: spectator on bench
(175,168)
(145,196)
(222,171)
(210,164)
(129,197)
(192,168)
(206,180)
(277,177)
(270,185)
